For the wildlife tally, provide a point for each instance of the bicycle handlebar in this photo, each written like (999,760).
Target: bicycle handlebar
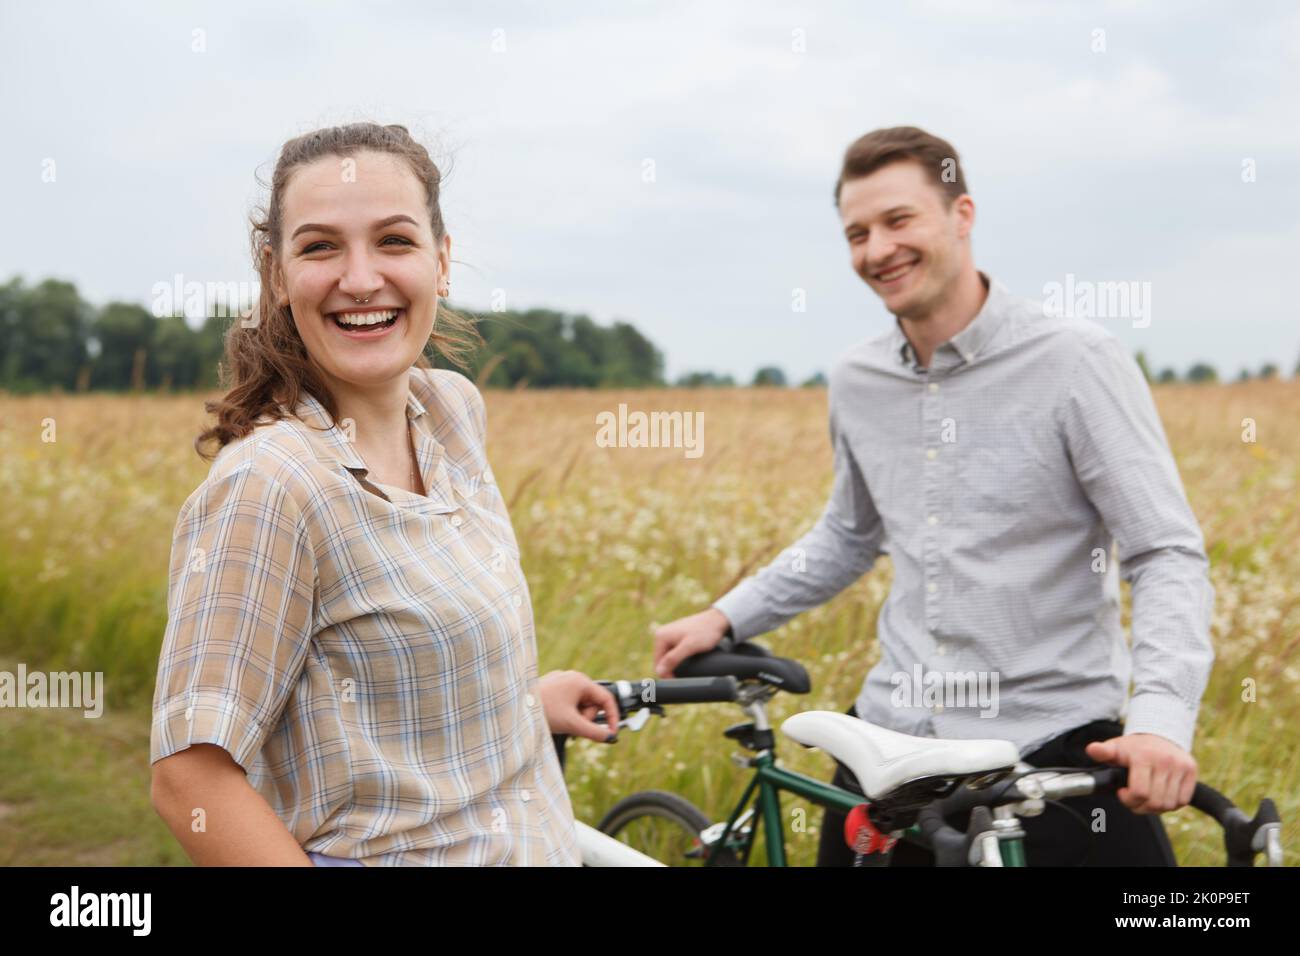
(638,695)
(1243,836)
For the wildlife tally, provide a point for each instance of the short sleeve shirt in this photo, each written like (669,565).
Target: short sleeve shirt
(366,654)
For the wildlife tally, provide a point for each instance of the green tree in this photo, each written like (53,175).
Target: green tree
(121,330)
(46,333)
(705,380)
(175,353)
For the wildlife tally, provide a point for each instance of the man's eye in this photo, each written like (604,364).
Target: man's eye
(900,219)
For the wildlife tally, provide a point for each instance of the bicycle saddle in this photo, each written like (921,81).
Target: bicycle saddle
(746,661)
(883,760)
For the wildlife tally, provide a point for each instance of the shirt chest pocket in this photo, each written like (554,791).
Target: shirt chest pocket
(995,482)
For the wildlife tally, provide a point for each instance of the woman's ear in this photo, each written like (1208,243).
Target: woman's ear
(277,278)
(444,265)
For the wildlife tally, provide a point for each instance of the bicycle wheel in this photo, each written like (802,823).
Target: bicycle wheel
(664,826)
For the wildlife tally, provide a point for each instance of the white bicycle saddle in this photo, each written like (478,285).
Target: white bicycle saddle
(883,759)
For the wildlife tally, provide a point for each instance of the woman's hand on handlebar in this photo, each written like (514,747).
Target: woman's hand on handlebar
(571,701)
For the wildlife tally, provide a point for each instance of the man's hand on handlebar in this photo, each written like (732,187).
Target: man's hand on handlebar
(1161,774)
(571,701)
(686,637)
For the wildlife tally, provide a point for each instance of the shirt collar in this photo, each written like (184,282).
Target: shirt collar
(311,412)
(970,341)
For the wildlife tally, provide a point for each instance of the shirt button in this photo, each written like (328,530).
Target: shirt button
(455,521)
(529,699)
(525,795)
(941,650)
(933,520)
(938,708)
(518,601)
(932,587)
(934,386)
(487,477)
(931,453)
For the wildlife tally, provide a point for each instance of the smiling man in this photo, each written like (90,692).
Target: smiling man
(1013,465)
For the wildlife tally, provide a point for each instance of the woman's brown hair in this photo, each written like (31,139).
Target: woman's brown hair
(265,363)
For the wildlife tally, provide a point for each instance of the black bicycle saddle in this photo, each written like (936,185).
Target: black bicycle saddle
(746,661)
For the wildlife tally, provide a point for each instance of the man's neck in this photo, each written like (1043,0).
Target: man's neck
(949,317)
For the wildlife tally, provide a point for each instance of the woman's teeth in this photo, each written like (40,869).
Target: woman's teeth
(363,319)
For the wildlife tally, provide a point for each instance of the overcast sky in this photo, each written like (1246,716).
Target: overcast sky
(1122,164)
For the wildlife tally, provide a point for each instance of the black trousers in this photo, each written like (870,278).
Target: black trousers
(1054,838)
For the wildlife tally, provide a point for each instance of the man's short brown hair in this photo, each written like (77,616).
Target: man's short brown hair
(904,143)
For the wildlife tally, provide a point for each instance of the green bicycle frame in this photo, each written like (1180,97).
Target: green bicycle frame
(769,781)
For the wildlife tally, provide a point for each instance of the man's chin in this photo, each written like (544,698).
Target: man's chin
(900,303)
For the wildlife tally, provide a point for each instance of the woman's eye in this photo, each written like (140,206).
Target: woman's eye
(402,239)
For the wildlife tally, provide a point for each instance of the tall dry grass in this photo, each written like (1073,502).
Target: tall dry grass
(615,540)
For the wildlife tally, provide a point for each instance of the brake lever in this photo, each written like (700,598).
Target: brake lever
(636,721)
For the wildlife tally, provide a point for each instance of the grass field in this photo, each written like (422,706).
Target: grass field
(614,541)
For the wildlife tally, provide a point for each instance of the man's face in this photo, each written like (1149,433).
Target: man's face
(905,241)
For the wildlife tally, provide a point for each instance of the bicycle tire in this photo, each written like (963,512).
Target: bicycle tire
(661,804)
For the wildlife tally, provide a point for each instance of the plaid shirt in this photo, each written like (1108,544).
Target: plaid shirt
(366,654)
(998,479)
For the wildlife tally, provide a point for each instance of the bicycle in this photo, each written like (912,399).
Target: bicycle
(910,784)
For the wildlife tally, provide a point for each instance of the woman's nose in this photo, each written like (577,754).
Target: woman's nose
(360,278)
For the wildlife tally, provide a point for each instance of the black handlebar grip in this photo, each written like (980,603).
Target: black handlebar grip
(690,690)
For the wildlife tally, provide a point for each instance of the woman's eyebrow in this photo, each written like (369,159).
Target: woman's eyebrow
(318,227)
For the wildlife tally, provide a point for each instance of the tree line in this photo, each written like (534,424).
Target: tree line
(51,338)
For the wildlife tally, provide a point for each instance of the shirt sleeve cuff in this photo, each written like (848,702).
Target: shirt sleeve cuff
(205,718)
(1164,715)
(744,608)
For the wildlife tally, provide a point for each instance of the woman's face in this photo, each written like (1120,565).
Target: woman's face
(357,229)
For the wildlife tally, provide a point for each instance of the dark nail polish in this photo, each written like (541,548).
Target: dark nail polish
(612,738)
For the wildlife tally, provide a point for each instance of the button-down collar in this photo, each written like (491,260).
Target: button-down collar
(971,340)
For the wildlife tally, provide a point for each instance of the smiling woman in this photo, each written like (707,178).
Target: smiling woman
(358,195)
(349,670)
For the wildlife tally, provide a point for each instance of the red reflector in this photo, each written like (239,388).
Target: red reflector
(861,834)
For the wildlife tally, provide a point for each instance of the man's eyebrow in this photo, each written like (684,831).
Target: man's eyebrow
(318,227)
(891,211)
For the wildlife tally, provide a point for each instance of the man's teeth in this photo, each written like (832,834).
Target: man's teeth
(366,318)
(895,273)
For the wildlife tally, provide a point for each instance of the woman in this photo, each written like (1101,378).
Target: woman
(349,671)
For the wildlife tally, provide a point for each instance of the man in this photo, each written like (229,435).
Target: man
(997,453)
